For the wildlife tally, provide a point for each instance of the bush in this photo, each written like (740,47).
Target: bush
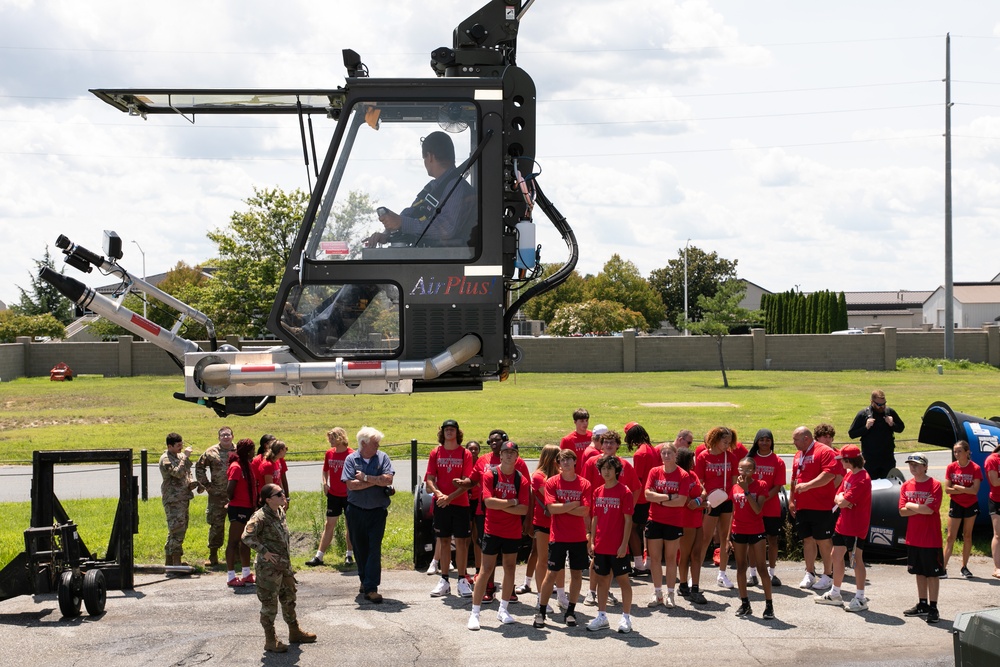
(928,364)
(13,325)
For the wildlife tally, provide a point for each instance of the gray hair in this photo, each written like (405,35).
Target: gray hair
(369,433)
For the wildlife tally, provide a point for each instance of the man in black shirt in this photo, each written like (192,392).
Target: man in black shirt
(877,425)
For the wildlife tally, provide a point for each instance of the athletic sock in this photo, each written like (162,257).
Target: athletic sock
(933,604)
(770,571)
(753,572)
(860,594)
(571,608)
(658,592)
(349,554)
(503,605)
(476,608)
(231,575)
(834,591)
(246,572)
(527,581)
(319,554)
(670,591)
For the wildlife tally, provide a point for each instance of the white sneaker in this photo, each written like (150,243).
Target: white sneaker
(464,589)
(504,617)
(562,603)
(548,609)
(434,568)
(443,588)
(822,582)
(668,601)
(612,600)
(857,605)
(625,625)
(808,580)
(723,580)
(591,599)
(600,622)
(473,623)
(655,601)
(752,580)
(829,598)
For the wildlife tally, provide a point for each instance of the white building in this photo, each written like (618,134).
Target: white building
(975,304)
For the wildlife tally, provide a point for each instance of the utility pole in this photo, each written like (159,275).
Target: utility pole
(949,285)
(686,332)
(143,277)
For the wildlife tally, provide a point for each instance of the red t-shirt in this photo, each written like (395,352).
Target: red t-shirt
(738,449)
(333,463)
(676,482)
(567,527)
(610,508)
(590,452)
(242,497)
(256,467)
(498,485)
(578,443)
(538,515)
(645,459)
(963,477)
(807,466)
(694,517)
(922,530)
(992,463)
(493,460)
(446,465)
(745,520)
(857,489)
(771,471)
(716,471)
(627,477)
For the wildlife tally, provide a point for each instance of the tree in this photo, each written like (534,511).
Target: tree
(13,325)
(621,281)
(722,312)
(544,306)
(44,298)
(594,316)
(706,271)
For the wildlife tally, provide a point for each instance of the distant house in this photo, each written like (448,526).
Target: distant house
(902,309)
(975,304)
(3,306)
(751,300)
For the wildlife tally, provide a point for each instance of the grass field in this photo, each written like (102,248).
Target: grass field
(535,409)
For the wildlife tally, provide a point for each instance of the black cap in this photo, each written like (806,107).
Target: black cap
(449,422)
(508,446)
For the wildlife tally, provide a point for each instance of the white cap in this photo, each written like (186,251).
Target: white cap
(599,429)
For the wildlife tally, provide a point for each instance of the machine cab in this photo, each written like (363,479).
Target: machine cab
(408,238)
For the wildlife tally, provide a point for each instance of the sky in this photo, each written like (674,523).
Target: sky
(804,140)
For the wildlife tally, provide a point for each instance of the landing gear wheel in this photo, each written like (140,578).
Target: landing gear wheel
(95,592)
(69,599)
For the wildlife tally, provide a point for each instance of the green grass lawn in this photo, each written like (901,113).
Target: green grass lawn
(535,409)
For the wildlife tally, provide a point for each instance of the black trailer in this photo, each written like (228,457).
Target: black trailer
(55,558)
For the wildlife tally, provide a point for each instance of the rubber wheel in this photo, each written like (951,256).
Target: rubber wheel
(95,592)
(69,601)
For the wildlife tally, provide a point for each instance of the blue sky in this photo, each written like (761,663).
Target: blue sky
(802,139)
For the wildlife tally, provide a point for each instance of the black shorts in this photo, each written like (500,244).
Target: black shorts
(993,506)
(817,524)
(640,514)
(743,538)
(239,514)
(541,529)
(925,561)
(849,541)
(773,525)
(493,545)
(579,559)
(662,531)
(480,520)
(956,511)
(451,521)
(724,508)
(335,505)
(605,564)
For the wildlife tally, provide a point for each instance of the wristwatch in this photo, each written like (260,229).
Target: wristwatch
(364,478)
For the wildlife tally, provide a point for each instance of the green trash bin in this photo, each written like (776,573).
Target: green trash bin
(977,638)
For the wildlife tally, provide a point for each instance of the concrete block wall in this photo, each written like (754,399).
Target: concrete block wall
(804,352)
(571,355)
(89,358)
(692,353)
(11,361)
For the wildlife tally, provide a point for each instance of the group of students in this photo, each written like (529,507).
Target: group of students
(586,506)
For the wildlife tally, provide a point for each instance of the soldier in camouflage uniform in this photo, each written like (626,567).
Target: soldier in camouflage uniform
(211,474)
(267,534)
(175,492)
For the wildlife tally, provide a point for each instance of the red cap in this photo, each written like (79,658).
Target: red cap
(630,425)
(849,452)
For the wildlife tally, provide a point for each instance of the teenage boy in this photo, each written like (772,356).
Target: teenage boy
(568,499)
(578,439)
(449,469)
(610,529)
(506,496)
(920,500)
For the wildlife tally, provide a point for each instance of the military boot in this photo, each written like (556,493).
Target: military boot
(271,642)
(213,558)
(297,635)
